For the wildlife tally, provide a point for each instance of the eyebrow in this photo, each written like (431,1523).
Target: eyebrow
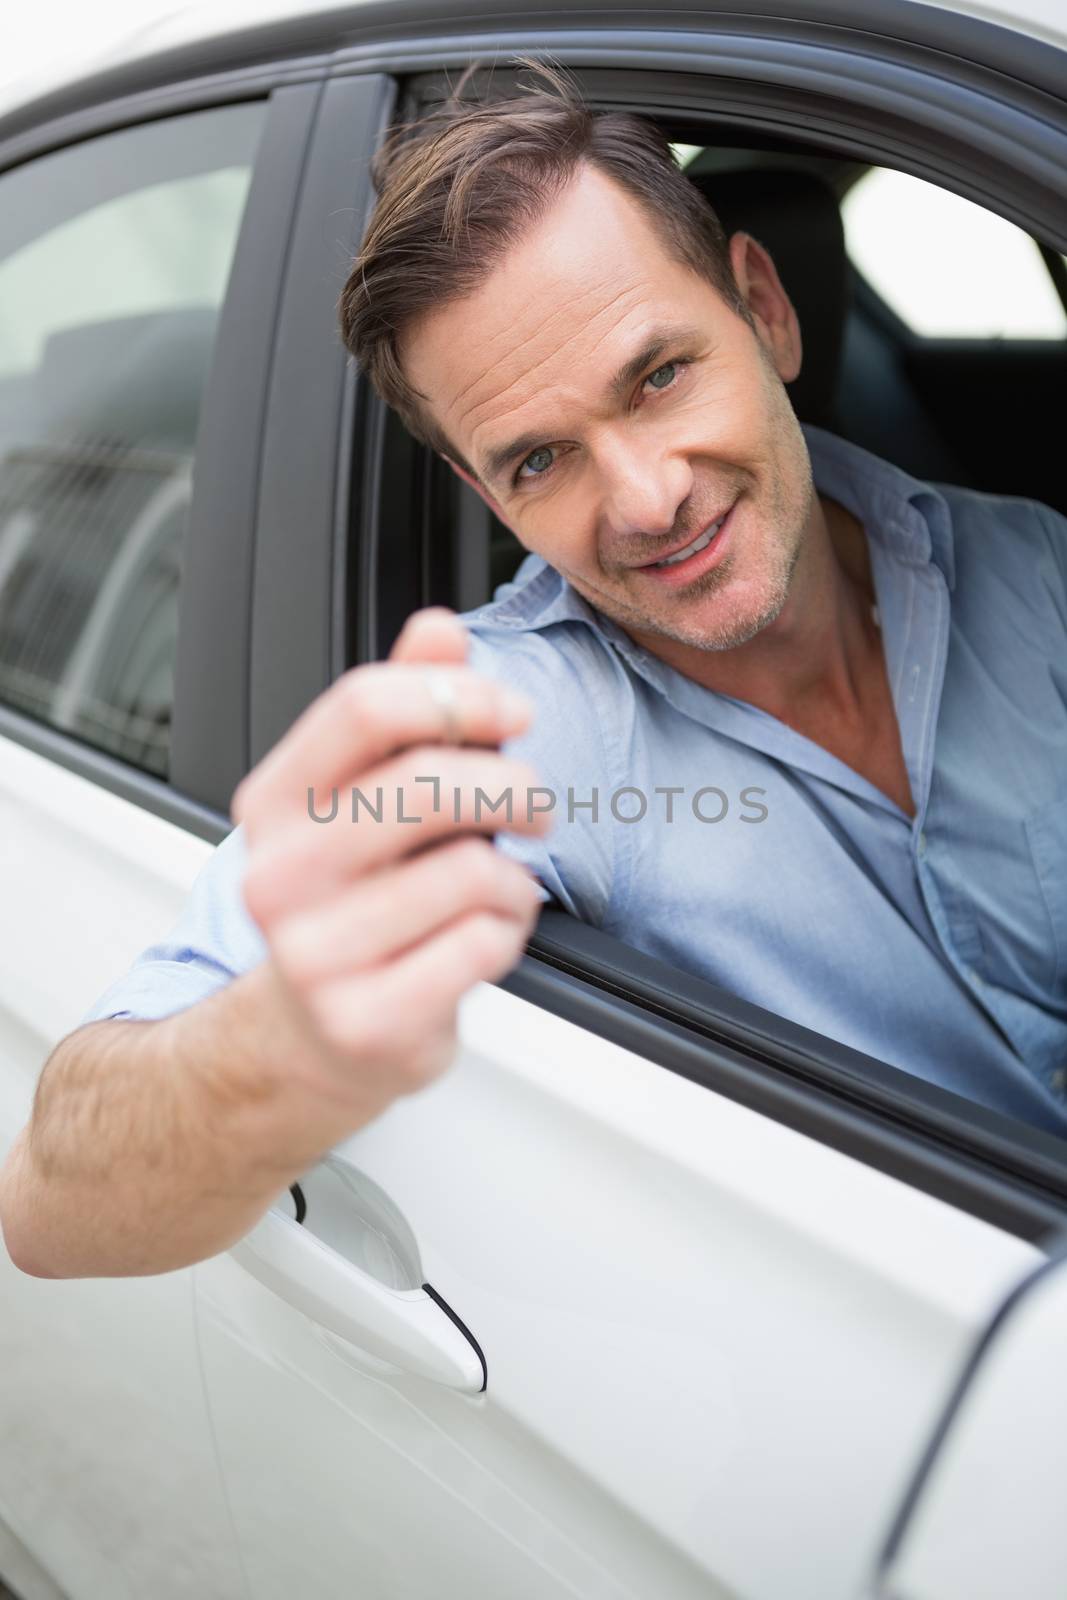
(656,342)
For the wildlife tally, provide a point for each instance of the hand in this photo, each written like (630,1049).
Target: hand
(377,928)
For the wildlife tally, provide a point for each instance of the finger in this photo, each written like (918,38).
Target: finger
(368,714)
(384,914)
(434,634)
(385,1016)
(406,805)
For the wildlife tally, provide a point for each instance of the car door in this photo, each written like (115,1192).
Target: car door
(713,1346)
(139,263)
(651,1294)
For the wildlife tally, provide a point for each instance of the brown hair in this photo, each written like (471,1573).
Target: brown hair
(459,185)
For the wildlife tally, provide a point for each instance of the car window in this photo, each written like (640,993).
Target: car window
(114,260)
(947,267)
(934,409)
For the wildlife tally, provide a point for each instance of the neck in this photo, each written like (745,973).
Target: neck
(814,659)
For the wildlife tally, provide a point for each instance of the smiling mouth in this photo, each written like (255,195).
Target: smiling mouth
(701,542)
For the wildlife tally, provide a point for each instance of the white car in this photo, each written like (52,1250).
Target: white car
(654,1295)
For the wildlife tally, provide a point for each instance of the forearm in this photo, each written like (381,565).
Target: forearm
(156,1144)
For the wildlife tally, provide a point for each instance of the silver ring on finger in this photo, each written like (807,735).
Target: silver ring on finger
(443,694)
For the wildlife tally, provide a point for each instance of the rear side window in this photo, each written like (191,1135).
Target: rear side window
(114,260)
(947,267)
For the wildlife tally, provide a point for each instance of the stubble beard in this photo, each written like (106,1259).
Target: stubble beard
(787,518)
(790,506)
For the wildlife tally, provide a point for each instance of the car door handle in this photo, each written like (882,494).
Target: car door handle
(412,1328)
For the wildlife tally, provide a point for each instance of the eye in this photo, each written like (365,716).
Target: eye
(538,460)
(663,376)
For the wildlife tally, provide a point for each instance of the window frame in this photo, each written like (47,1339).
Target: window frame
(1002,1171)
(311,467)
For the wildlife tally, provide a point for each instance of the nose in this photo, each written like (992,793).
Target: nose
(644,487)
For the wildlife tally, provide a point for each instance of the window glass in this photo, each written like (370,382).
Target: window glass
(948,268)
(114,260)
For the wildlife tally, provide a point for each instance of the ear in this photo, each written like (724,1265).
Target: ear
(461,472)
(772,311)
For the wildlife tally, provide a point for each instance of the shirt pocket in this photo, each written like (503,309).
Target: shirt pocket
(1046,830)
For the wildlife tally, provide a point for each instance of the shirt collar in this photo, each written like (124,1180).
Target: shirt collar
(910,518)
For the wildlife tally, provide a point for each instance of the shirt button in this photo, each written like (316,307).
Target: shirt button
(975,979)
(1059,1079)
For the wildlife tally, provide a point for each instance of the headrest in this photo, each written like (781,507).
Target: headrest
(795,216)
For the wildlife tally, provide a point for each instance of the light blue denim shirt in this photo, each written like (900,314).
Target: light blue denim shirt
(938,943)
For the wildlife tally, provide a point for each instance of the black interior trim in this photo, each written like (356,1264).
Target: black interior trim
(1001,1170)
(389,533)
(1057,271)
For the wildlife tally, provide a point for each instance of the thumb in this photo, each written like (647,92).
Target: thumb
(434,634)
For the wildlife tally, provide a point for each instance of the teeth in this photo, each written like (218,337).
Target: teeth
(700,543)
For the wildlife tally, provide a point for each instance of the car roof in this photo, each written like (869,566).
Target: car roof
(183,24)
(208,20)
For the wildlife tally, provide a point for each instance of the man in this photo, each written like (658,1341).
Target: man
(880,664)
(865,673)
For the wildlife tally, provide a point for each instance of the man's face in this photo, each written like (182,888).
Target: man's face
(616,410)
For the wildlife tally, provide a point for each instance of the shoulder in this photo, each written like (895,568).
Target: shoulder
(1014,516)
(1007,542)
(983,535)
